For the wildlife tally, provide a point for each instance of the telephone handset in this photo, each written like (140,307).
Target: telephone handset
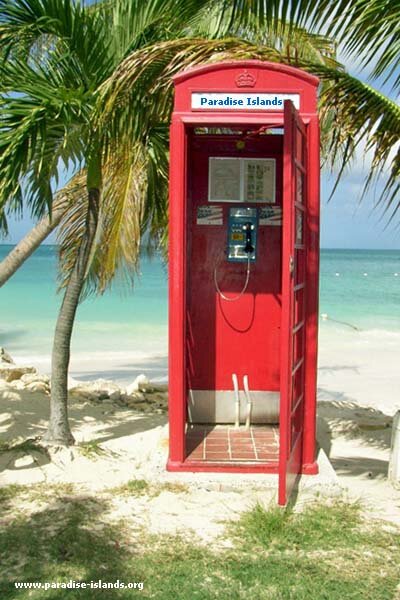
(242,244)
(249,228)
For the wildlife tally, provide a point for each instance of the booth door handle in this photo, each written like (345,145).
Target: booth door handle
(291,265)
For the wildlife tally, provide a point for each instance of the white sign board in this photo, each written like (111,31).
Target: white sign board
(259,180)
(242,101)
(241,179)
(224,180)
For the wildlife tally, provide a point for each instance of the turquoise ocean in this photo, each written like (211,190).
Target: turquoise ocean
(124,332)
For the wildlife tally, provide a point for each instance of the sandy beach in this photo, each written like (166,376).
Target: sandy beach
(121,367)
(357,397)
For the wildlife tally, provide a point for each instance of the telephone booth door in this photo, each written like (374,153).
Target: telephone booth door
(294,289)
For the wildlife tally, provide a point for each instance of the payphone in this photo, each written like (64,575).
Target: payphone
(241,245)
(242,234)
(243,270)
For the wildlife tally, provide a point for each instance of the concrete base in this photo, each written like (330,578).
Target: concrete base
(325,483)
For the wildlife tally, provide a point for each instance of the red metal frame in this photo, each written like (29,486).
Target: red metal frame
(309,463)
(270,77)
(177,295)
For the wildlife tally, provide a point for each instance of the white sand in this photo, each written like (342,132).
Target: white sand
(121,367)
(358,394)
(360,367)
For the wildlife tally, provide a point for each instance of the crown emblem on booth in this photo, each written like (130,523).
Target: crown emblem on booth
(245,79)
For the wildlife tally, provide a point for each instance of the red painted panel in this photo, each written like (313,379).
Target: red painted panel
(177,295)
(241,337)
(310,465)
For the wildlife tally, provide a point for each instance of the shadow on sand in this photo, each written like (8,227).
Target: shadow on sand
(25,417)
(367,428)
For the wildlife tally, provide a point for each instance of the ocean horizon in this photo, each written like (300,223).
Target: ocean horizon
(124,332)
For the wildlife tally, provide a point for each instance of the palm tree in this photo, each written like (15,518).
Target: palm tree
(58,56)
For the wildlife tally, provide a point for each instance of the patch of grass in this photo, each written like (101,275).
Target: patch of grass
(187,571)
(141,487)
(94,450)
(62,489)
(319,525)
(174,487)
(42,492)
(311,557)
(91,449)
(37,492)
(9,492)
(134,487)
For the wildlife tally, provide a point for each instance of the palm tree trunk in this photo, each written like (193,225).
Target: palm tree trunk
(59,432)
(31,241)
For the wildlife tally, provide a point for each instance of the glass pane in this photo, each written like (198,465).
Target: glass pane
(298,314)
(299,226)
(299,146)
(299,186)
(298,350)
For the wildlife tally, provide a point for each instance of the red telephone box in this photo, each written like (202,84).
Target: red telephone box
(243,270)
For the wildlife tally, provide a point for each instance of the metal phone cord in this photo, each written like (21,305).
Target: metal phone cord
(244,287)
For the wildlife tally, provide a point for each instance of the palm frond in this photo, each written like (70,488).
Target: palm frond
(41,121)
(123,198)
(24,22)
(155,217)
(133,203)
(117,244)
(72,226)
(367,28)
(141,88)
(30,28)
(143,81)
(136,23)
(373,29)
(359,114)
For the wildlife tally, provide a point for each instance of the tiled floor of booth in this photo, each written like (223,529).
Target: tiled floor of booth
(259,443)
